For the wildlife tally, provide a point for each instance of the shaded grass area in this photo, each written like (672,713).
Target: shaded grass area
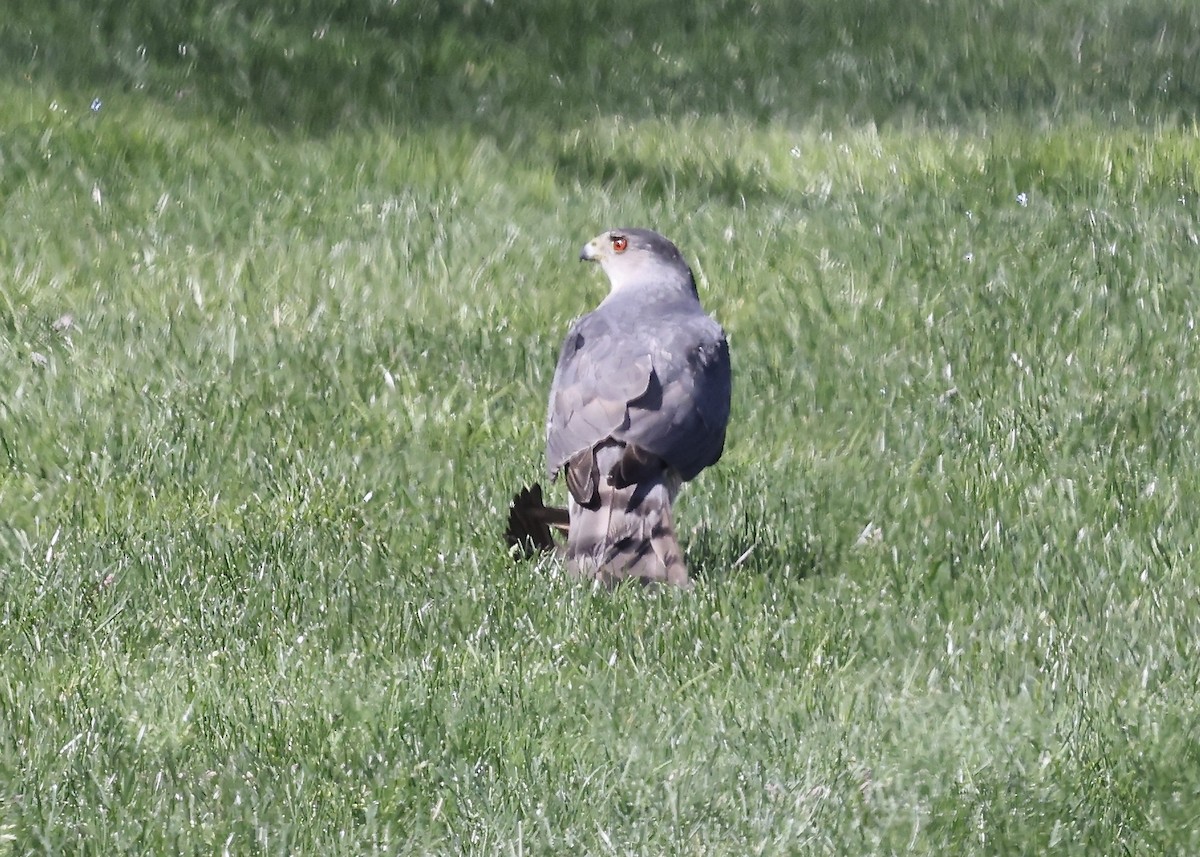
(265,395)
(317,66)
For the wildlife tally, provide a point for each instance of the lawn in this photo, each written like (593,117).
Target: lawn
(281,289)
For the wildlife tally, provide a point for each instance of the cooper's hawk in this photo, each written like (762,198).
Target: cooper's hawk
(638,406)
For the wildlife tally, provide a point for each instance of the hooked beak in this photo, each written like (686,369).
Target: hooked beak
(589,252)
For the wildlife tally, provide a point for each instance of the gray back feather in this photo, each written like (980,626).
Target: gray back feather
(647,367)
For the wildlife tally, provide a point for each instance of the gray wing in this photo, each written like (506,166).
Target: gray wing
(599,373)
(662,384)
(684,413)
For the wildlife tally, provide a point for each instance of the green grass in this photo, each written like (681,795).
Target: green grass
(277,323)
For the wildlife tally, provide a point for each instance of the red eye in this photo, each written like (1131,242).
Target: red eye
(620,242)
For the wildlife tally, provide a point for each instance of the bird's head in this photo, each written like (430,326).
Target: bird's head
(638,258)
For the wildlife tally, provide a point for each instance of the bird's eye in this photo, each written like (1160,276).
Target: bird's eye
(620,242)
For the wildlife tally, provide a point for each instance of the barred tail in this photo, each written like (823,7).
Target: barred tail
(626,532)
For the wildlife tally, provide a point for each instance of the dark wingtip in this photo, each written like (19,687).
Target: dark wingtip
(529,522)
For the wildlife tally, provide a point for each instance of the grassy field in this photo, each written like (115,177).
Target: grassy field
(281,289)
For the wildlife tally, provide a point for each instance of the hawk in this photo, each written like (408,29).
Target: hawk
(639,405)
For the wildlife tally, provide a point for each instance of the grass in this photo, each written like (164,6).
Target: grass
(277,321)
